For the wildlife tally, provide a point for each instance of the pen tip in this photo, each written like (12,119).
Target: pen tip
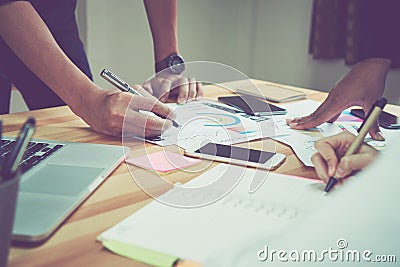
(331,183)
(175,124)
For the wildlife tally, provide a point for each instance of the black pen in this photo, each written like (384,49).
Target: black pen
(123,86)
(11,165)
(369,121)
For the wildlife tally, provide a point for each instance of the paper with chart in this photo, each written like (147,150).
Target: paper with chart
(302,141)
(281,202)
(352,126)
(207,121)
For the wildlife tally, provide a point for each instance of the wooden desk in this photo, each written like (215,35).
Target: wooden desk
(74,244)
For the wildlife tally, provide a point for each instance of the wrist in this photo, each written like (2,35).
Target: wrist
(174,64)
(85,101)
(161,53)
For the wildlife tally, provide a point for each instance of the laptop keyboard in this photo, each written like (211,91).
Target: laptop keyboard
(36,152)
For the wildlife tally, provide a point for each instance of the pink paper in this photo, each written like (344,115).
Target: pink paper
(163,161)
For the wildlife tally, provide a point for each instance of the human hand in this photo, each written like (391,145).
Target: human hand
(106,111)
(362,86)
(330,161)
(165,85)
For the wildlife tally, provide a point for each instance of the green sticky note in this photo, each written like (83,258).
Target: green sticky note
(144,255)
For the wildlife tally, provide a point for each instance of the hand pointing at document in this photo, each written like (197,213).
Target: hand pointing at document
(362,86)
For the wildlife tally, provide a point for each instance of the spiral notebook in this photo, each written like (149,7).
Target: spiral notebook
(196,233)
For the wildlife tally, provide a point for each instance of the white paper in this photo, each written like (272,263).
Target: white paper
(198,232)
(363,211)
(302,141)
(200,123)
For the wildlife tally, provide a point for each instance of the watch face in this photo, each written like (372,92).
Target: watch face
(176,64)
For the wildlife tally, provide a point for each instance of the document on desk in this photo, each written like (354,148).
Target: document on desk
(207,121)
(237,217)
(302,141)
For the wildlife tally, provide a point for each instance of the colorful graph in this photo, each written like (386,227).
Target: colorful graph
(220,120)
(241,130)
(352,127)
(347,117)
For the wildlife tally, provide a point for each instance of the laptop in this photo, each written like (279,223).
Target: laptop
(57,177)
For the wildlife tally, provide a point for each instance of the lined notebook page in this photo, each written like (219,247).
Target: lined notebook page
(239,217)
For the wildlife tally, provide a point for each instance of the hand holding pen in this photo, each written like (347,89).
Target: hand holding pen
(125,87)
(330,160)
(340,155)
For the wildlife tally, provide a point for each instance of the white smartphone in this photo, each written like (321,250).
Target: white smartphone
(238,156)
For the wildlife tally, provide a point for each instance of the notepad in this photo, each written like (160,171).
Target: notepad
(163,161)
(272,92)
(237,218)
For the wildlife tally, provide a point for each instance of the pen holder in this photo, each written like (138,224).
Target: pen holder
(8,199)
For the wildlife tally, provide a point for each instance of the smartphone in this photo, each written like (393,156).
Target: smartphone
(252,105)
(238,156)
(386,120)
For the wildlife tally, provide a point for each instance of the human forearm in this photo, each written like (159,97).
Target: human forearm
(30,39)
(162,17)
(361,86)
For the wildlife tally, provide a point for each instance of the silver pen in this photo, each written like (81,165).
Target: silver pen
(118,82)
(123,86)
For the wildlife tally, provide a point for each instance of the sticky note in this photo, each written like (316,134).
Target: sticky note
(144,255)
(163,161)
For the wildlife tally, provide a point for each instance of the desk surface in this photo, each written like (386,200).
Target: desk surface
(74,244)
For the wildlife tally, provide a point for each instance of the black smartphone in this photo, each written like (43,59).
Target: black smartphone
(252,105)
(386,120)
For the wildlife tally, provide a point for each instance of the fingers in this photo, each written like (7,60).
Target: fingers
(192,88)
(330,160)
(330,150)
(327,148)
(119,113)
(374,132)
(321,115)
(355,162)
(143,125)
(153,105)
(144,92)
(140,131)
(188,89)
(329,110)
(200,90)
(320,166)
(147,86)
(183,87)
(165,88)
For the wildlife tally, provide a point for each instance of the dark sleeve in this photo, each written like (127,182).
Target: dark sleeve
(7,1)
(382,29)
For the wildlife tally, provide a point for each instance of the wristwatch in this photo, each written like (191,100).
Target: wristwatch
(174,63)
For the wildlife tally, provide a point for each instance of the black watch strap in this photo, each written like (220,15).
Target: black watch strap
(174,63)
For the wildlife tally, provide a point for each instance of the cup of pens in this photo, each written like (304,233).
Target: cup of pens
(9,181)
(8,199)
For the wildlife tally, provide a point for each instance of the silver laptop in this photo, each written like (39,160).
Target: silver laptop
(57,178)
